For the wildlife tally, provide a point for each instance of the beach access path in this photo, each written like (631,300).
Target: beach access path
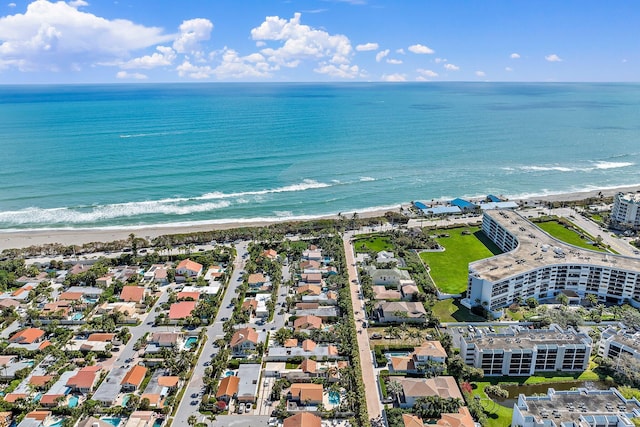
(366,359)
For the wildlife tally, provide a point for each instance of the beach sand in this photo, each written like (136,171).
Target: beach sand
(21,239)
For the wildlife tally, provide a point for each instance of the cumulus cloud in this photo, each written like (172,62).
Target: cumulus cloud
(78,3)
(299,42)
(515,56)
(394,61)
(451,67)
(134,76)
(163,57)
(343,71)
(439,60)
(187,69)
(394,77)
(427,73)
(240,67)
(11,5)
(366,47)
(400,51)
(553,58)
(57,36)
(421,49)
(192,32)
(380,55)
(480,73)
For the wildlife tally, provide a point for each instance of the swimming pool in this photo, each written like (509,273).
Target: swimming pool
(37,397)
(229,373)
(73,402)
(56,423)
(114,421)
(397,354)
(334,397)
(125,400)
(77,316)
(190,342)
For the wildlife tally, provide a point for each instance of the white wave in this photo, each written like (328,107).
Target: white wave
(307,184)
(548,168)
(612,165)
(366,179)
(104,212)
(143,135)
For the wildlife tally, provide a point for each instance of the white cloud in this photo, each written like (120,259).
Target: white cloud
(260,43)
(481,73)
(300,42)
(421,49)
(342,70)
(165,56)
(380,55)
(451,67)
(134,76)
(187,69)
(57,36)
(78,3)
(514,56)
(553,58)
(11,5)
(427,73)
(439,60)
(239,67)
(422,79)
(400,51)
(192,32)
(508,69)
(394,77)
(366,47)
(394,61)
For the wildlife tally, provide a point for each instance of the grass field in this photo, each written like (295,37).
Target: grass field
(498,415)
(450,269)
(373,244)
(450,310)
(566,235)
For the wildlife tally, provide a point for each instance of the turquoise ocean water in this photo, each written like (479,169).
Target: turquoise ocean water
(131,155)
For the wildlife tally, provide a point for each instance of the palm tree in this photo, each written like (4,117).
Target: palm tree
(192,420)
(395,388)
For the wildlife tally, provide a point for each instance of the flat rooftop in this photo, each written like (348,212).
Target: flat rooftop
(537,249)
(526,340)
(565,407)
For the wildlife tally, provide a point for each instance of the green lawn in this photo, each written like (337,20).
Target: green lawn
(372,243)
(498,415)
(450,269)
(450,310)
(566,235)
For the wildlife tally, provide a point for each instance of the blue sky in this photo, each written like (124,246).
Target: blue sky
(106,41)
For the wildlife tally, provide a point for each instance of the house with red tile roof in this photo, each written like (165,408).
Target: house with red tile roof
(307,323)
(188,268)
(256,280)
(303,419)
(132,294)
(445,387)
(40,381)
(105,281)
(309,290)
(70,296)
(188,296)
(411,420)
(133,379)
(270,254)
(462,419)
(27,336)
(228,388)
(181,310)
(306,393)
(243,341)
(85,380)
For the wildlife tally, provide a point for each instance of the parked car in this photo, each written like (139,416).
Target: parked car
(248,407)
(376,336)
(241,408)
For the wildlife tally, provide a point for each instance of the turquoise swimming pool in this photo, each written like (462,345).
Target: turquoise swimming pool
(334,397)
(57,423)
(125,400)
(73,402)
(114,421)
(77,316)
(190,342)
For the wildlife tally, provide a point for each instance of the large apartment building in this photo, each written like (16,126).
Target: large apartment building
(625,212)
(519,351)
(615,343)
(537,265)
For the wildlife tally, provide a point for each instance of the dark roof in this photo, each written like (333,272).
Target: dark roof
(493,198)
(463,204)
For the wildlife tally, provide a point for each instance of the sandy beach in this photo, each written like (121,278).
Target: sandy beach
(21,239)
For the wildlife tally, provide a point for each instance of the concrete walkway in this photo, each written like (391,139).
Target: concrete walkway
(366,362)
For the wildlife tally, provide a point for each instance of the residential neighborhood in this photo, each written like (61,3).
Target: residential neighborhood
(349,327)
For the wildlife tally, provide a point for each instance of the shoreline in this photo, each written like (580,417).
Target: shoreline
(24,238)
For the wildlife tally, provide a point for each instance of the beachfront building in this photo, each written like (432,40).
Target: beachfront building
(625,213)
(518,351)
(537,265)
(579,407)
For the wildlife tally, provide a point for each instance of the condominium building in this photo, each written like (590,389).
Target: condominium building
(615,343)
(626,211)
(520,351)
(537,265)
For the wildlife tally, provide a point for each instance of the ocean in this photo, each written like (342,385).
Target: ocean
(83,156)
